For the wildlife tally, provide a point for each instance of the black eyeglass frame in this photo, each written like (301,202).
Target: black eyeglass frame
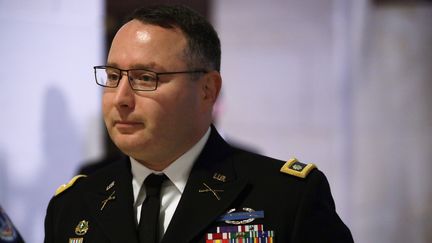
(141,69)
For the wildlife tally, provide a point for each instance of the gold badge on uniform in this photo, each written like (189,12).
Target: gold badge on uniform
(82,228)
(213,191)
(296,168)
(109,198)
(111,185)
(219,177)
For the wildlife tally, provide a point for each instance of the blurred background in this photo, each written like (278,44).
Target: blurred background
(345,84)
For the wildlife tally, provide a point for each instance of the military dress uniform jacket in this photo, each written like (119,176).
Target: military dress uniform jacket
(99,208)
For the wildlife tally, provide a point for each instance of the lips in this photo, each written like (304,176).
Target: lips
(127,123)
(127,126)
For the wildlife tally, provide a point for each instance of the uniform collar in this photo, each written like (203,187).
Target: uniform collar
(178,171)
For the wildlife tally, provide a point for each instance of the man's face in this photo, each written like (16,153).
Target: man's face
(155,127)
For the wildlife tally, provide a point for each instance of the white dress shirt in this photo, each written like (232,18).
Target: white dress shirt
(172,189)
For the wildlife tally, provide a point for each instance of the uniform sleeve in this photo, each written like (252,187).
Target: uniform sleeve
(316,219)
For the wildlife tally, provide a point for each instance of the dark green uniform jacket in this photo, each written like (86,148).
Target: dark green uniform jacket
(295,209)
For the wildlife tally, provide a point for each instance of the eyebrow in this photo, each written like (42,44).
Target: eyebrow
(149,66)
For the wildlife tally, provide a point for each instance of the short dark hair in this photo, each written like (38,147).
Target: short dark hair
(203,41)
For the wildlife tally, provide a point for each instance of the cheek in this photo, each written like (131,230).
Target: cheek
(106,105)
(156,111)
(178,101)
(186,106)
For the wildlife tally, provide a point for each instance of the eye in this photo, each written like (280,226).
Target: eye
(112,75)
(145,77)
(142,76)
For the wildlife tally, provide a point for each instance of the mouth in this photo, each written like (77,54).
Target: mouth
(127,126)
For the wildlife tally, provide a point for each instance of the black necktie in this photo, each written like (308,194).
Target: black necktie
(149,221)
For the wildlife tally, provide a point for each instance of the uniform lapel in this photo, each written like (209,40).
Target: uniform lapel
(212,176)
(117,218)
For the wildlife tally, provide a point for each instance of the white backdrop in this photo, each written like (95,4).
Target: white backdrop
(285,83)
(50,104)
(345,84)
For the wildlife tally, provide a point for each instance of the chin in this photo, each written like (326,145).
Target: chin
(127,149)
(128,144)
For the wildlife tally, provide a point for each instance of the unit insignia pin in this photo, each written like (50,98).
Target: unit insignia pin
(82,227)
(219,177)
(209,189)
(111,185)
(111,197)
(76,240)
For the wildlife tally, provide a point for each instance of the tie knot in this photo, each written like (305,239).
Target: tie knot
(153,184)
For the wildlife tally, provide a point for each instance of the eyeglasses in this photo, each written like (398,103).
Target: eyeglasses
(139,79)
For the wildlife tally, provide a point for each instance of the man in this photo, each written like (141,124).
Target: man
(160,83)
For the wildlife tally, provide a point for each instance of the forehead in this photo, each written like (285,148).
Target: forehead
(137,43)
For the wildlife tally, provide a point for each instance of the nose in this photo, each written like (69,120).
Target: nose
(125,96)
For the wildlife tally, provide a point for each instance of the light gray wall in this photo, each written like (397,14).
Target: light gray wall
(283,92)
(50,105)
(345,85)
(392,159)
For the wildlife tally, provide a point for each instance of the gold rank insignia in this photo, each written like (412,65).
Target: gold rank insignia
(63,187)
(219,177)
(82,228)
(295,168)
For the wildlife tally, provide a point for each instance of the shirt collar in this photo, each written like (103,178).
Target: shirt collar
(178,171)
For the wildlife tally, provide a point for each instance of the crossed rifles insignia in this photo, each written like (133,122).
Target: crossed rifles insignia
(213,191)
(110,197)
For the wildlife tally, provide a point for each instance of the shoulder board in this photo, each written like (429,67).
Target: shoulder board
(295,168)
(63,187)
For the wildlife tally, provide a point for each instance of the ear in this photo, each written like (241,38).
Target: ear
(211,86)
